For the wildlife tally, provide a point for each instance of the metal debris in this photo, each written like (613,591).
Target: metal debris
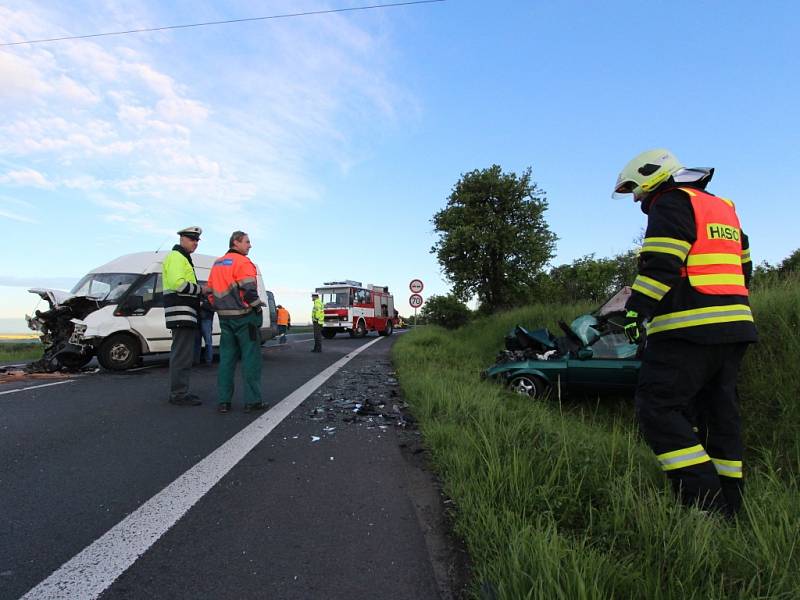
(367,396)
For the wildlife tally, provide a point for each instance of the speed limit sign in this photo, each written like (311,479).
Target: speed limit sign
(415,301)
(416,286)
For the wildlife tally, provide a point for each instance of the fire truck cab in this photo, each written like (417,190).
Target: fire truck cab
(355,309)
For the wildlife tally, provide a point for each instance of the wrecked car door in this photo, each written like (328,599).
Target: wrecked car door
(609,363)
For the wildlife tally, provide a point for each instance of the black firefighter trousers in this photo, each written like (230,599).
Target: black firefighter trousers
(688,410)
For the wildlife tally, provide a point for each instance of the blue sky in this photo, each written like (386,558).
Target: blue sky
(333,139)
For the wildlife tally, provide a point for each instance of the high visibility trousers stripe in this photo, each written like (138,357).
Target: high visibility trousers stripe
(728,468)
(684,457)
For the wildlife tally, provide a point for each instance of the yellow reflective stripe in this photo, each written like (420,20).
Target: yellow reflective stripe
(676,247)
(726,201)
(728,468)
(685,457)
(746,256)
(688,191)
(719,279)
(695,260)
(700,316)
(650,287)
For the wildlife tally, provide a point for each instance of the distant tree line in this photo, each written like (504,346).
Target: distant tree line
(494,245)
(765,274)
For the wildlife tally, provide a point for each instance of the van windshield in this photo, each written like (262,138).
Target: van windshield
(106,286)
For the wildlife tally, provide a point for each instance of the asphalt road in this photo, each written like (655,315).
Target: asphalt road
(296,517)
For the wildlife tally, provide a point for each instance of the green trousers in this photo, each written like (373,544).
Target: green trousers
(240,340)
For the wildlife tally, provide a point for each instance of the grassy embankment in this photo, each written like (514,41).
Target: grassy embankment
(12,350)
(564,500)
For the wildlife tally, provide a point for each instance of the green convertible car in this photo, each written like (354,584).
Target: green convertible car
(592,356)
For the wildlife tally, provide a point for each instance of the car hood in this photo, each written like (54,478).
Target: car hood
(54,297)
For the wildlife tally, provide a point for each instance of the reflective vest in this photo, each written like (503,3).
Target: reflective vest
(181,291)
(714,262)
(233,286)
(283,316)
(711,306)
(318,312)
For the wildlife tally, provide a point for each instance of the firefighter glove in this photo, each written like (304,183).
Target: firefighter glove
(633,327)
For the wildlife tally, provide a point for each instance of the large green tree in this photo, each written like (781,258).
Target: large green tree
(493,238)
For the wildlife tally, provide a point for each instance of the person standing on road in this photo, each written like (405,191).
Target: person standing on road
(204,333)
(233,286)
(181,306)
(691,298)
(317,318)
(284,321)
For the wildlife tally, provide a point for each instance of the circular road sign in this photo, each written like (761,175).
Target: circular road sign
(415,300)
(416,286)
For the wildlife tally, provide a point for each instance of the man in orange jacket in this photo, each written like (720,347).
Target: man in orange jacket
(284,321)
(233,286)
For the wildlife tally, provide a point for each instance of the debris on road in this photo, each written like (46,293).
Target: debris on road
(16,375)
(366,396)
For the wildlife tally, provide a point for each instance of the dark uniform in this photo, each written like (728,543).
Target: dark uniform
(694,270)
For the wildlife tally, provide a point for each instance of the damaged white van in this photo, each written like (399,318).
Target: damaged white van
(116,312)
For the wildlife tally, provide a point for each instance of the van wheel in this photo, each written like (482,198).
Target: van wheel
(119,352)
(360,331)
(389,328)
(329,334)
(528,385)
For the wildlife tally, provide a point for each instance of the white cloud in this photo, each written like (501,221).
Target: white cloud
(146,135)
(175,108)
(125,206)
(21,80)
(26,177)
(83,182)
(69,90)
(91,58)
(7,214)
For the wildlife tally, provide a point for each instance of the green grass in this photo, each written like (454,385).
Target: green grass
(20,351)
(564,500)
(301,329)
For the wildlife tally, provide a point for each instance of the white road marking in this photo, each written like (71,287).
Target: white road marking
(34,387)
(143,368)
(95,568)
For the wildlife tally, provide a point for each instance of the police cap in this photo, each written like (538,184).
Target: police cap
(192,232)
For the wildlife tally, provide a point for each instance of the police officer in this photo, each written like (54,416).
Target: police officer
(233,291)
(691,297)
(317,319)
(181,306)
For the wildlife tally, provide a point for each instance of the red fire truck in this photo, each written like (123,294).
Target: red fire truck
(356,309)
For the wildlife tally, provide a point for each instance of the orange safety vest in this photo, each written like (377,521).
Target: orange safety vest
(233,285)
(283,316)
(714,262)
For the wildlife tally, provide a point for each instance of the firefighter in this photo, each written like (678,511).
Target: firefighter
(181,306)
(284,321)
(691,298)
(233,291)
(317,319)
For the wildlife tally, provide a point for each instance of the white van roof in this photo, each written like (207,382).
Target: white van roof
(139,262)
